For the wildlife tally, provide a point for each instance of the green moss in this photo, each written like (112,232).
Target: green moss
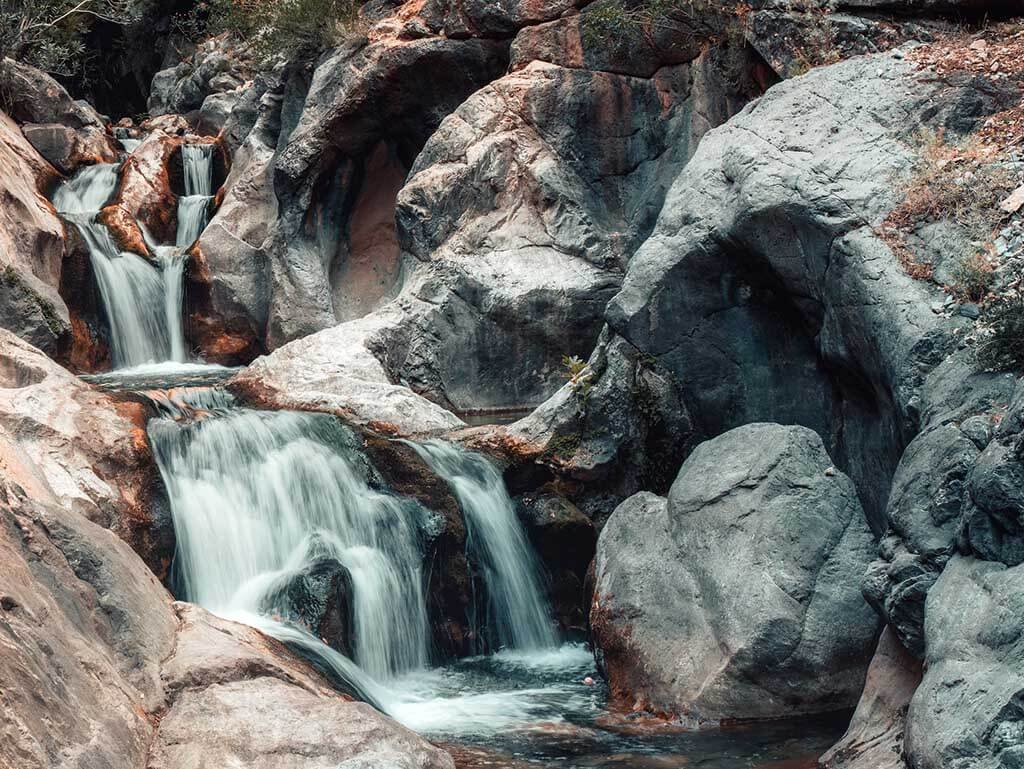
(564,445)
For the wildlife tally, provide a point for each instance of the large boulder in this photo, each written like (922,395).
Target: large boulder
(969,709)
(68,133)
(764,291)
(335,372)
(737,596)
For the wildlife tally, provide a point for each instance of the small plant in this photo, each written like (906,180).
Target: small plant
(972,278)
(999,335)
(579,375)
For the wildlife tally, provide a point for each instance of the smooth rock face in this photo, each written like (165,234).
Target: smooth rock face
(874,739)
(763,292)
(31,246)
(334,371)
(737,596)
(969,709)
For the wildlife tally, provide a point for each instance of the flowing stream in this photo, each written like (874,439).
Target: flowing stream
(268,505)
(142,300)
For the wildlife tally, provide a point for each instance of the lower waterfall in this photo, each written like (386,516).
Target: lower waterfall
(518,616)
(260,498)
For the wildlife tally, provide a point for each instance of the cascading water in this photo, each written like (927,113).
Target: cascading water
(193,207)
(518,616)
(259,498)
(143,301)
(134,292)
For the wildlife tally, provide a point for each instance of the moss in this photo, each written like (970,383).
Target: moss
(564,445)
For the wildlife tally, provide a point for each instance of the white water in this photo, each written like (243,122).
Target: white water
(194,205)
(143,301)
(192,218)
(518,616)
(134,292)
(259,497)
(130,145)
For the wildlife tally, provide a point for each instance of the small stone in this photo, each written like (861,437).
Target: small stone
(830,471)
(970,310)
(588,681)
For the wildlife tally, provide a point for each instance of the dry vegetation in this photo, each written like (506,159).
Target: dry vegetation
(970,185)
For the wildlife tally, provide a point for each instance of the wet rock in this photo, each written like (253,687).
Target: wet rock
(144,194)
(318,598)
(564,540)
(968,712)
(31,247)
(67,149)
(449,589)
(752,563)
(874,739)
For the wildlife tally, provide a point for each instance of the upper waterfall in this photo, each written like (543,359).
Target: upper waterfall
(135,293)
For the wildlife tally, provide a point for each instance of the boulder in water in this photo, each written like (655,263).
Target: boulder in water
(737,596)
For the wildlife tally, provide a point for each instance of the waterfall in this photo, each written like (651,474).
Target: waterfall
(517,613)
(194,205)
(259,498)
(192,219)
(197,161)
(135,293)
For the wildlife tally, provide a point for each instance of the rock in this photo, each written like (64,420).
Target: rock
(333,371)
(88,452)
(34,97)
(752,564)
(874,739)
(229,283)
(564,540)
(215,67)
(765,267)
(68,133)
(145,195)
(318,598)
(967,712)
(993,519)
(31,247)
(67,149)
(930,494)
(387,91)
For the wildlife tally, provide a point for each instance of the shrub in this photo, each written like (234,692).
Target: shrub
(999,335)
(972,278)
(48,34)
(617,21)
(579,375)
(950,183)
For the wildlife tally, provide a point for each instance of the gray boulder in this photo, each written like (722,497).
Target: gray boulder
(969,709)
(737,596)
